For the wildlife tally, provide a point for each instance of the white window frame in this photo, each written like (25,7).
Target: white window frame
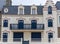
(20,7)
(34,7)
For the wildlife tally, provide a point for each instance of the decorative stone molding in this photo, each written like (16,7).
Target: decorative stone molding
(5,18)
(49,17)
(33,18)
(5,31)
(20,19)
(45,9)
(50,31)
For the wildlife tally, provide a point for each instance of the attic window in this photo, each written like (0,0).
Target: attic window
(20,11)
(34,11)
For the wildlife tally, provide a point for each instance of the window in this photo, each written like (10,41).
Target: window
(49,10)
(59,19)
(5,23)
(34,11)
(50,23)
(5,37)
(33,24)
(36,36)
(21,11)
(20,24)
(17,36)
(50,35)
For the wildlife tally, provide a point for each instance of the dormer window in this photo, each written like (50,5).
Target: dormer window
(34,11)
(20,11)
(49,10)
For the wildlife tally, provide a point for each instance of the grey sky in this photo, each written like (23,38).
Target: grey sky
(30,2)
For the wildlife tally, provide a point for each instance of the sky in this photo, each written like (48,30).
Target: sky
(30,2)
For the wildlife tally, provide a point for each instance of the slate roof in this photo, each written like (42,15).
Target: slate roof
(27,10)
(13,10)
(58,5)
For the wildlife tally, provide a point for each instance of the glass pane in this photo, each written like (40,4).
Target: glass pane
(33,11)
(21,11)
(5,23)
(17,36)
(5,37)
(49,10)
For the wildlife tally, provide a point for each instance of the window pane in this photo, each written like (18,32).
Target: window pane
(5,23)
(36,36)
(5,37)
(50,35)
(17,36)
(20,24)
(33,24)
(21,11)
(33,11)
(50,23)
(49,10)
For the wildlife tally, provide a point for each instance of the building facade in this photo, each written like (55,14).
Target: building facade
(3,3)
(31,24)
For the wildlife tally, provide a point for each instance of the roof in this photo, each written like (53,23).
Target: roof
(13,10)
(58,5)
(27,10)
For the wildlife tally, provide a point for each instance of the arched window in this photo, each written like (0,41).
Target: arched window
(50,23)
(49,10)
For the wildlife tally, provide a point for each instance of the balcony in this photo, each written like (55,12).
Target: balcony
(26,27)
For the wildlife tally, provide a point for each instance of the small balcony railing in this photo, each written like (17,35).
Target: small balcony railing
(36,39)
(16,39)
(26,26)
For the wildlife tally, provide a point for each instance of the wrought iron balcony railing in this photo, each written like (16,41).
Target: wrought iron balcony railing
(26,26)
